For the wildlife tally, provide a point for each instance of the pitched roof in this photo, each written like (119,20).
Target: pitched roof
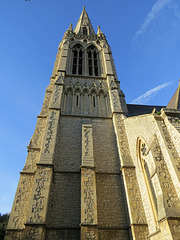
(136,110)
(175,100)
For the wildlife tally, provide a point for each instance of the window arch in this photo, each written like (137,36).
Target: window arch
(77,62)
(142,153)
(92,54)
(85,61)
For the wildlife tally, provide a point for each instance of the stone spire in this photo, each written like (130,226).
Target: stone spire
(100,33)
(84,26)
(175,100)
(70,28)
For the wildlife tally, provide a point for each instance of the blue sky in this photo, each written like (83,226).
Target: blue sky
(144,37)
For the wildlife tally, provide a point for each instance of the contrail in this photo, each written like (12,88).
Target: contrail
(158,6)
(149,94)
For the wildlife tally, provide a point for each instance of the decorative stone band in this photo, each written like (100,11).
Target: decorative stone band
(57,92)
(48,146)
(45,107)
(168,201)
(87,146)
(21,203)
(88,187)
(39,196)
(140,231)
(37,186)
(13,234)
(88,197)
(89,233)
(170,150)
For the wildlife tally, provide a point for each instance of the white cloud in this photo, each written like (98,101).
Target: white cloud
(149,94)
(175,9)
(158,6)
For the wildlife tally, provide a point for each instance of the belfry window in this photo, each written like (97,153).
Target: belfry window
(84,31)
(92,61)
(88,66)
(77,64)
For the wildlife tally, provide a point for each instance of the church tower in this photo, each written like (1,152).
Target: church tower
(81,179)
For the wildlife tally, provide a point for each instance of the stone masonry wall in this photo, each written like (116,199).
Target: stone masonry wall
(152,130)
(64,201)
(112,211)
(21,202)
(141,127)
(68,145)
(105,146)
(67,234)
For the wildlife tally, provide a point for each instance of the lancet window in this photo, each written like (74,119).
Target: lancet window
(77,67)
(92,61)
(85,61)
(84,31)
(142,152)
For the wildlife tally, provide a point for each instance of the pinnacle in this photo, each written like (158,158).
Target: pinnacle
(70,27)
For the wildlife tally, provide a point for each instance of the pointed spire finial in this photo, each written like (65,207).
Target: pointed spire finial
(99,30)
(70,28)
(83,22)
(100,33)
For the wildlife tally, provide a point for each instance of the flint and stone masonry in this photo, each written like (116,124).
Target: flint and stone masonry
(98,168)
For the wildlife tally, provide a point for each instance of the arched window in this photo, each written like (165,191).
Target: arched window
(79,67)
(94,101)
(92,54)
(77,62)
(142,152)
(84,31)
(77,100)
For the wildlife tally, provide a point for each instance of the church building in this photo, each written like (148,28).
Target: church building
(98,168)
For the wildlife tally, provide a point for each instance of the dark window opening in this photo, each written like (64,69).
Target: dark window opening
(93,61)
(89,54)
(77,63)
(90,71)
(84,31)
(74,69)
(77,100)
(80,70)
(75,53)
(96,71)
(94,101)
(90,62)
(80,53)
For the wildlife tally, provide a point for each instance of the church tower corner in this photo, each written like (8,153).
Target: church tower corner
(97,168)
